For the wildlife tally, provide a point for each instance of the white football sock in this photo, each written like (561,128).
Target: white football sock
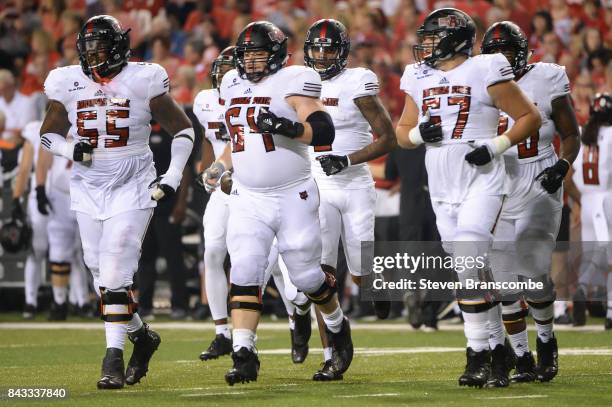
(475,329)
(33,269)
(135,323)
(497,335)
(224,330)
(59,294)
(327,353)
(334,320)
(115,334)
(244,338)
(520,343)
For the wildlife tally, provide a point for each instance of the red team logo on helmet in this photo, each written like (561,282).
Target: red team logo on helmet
(451,22)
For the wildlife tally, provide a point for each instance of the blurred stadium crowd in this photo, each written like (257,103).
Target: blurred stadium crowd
(185,36)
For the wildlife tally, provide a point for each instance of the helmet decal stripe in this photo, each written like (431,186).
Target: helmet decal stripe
(323,32)
(247,34)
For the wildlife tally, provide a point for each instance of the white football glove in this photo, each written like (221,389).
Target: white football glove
(211,177)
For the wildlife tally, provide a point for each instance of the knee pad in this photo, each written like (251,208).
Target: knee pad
(513,311)
(254,303)
(325,292)
(117,305)
(60,269)
(546,295)
(475,307)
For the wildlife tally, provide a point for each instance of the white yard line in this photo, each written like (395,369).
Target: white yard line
(527,396)
(266,326)
(352,396)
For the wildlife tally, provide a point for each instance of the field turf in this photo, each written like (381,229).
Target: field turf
(395,366)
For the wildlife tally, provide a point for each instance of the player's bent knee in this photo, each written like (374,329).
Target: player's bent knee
(246,298)
(513,311)
(324,292)
(117,305)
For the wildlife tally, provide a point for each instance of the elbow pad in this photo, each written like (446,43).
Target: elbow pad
(323,131)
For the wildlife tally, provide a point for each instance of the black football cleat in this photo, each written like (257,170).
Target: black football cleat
(246,367)
(548,363)
(300,335)
(146,341)
(29,312)
(58,312)
(112,370)
(326,373)
(477,368)
(525,369)
(220,346)
(608,324)
(342,347)
(500,361)
(414,306)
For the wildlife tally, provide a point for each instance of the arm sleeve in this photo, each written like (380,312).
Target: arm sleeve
(559,82)
(53,88)
(498,70)
(306,83)
(159,82)
(367,85)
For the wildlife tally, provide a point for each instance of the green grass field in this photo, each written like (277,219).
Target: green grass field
(394,366)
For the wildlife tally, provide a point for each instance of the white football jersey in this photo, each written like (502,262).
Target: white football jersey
(267,161)
(542,83)
(353,131)
(113,116)
(58,177)
(460,101)
(593,166)
(211,115)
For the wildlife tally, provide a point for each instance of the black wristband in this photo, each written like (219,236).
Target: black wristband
(322,125)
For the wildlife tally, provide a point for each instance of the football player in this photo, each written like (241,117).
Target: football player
(107,103)
(346,186)
(593,177)
(531,212)
(211,115)
(452,105)
(35,260)
(273,113)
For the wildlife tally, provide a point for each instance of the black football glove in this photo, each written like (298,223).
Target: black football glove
(430,132)
(161,191)
(333,164)
(552,177)
(82,152)
(17,212)
(480,156)
(42,202)
(268,122)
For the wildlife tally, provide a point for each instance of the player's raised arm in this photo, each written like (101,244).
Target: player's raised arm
(175,121)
